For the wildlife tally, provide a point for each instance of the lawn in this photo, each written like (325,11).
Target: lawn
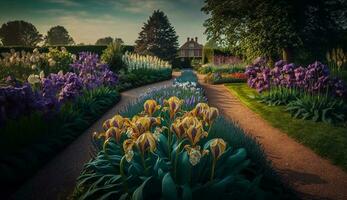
(329,141)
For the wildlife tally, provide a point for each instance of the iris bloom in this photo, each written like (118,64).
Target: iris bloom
(174,104)
(150,107)
(140,125)
(146,142)
(114,132)
(210,115)
(217,147)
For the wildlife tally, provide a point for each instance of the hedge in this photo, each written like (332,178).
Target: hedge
(72,49)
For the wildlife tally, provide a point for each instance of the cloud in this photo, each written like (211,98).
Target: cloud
(64,2)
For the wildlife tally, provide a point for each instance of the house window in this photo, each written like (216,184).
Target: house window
(191,53)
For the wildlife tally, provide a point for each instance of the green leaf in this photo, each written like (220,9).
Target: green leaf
(169,191)
(139,192)
(187,192)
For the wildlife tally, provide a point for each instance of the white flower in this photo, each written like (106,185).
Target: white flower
(42,75)
(33,79)
(129,155)
(194,157)
(34,67)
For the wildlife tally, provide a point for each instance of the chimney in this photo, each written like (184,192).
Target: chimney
(187,39)
(196,39)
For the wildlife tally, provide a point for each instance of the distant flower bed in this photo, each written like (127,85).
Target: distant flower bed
(226,68)
(47,92)
(135,61)
(309,92)
(220,78)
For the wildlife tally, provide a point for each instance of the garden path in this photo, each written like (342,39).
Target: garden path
(57,179)
(312,176)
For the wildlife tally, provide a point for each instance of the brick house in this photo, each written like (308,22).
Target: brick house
(190,49)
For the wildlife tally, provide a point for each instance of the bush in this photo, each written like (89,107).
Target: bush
(112,55)
(139,77)
(75,49)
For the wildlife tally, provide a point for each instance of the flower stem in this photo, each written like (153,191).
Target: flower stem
(121,169)
(144,162)
(212,170)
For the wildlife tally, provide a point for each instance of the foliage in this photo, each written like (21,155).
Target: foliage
(139,77)
(266,28)
(137,61)
(158,38)
(29,142)
(168,154)
(58,35)
(318,108)
(279,96)
(104,41)
(19,33)
(327,140)
(112,55)
(75,49)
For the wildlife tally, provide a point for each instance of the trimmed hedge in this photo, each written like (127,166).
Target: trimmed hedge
(72,49)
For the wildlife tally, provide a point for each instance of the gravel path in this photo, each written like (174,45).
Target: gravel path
(57,179)
(310,175)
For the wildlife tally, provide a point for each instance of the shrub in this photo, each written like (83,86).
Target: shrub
(220,78)
(112,55)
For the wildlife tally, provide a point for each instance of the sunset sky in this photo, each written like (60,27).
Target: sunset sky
(89,20)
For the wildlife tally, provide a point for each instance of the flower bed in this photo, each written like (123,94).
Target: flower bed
(208,68)
(220,78)
(45,107)
(171,144)
(309,93)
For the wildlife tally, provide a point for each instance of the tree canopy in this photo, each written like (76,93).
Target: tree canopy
(158,37)
(268,27)
(15,33)
(58,35)
(104,41)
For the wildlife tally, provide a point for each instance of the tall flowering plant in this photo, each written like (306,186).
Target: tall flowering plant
(137,61)
(92,72)
(315,78)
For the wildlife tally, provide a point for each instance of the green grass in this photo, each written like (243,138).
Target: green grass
(329,141)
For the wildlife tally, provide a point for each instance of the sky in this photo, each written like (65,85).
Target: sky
(88,20)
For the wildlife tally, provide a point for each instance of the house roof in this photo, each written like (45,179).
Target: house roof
(189,41)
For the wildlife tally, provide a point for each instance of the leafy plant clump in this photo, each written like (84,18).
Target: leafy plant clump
(30,141)
(112,56)
(318,108)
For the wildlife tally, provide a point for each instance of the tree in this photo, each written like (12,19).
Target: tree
(158,37)
(118,40)
(268,27)
(104,41)
(19,33)
(58,35)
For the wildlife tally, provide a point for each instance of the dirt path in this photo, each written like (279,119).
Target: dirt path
(310,175)
(57,179)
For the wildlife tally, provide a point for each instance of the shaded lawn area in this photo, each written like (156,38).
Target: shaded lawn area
(329,141)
